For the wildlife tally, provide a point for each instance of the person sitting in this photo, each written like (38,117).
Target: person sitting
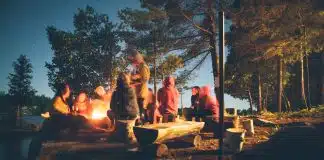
(123,102)
(152,107)
(82,105)
(59,119)
(195,103)
(208,103)
(103,95)
(168,98)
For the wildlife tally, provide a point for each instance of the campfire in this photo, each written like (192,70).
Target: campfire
(99,110)
(98,114)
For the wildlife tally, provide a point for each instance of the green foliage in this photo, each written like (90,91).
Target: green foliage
(84,58)
(180,26)
(313,112)
(150,34)
(20,81)
(35,106)
(261,32)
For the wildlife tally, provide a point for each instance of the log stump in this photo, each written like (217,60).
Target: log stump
(248,126)
(234,139)
(231,111)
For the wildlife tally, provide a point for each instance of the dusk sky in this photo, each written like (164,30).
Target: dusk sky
(22,31)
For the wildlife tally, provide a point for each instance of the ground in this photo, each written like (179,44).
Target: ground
(292,137)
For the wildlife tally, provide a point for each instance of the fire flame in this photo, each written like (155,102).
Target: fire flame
(96,114)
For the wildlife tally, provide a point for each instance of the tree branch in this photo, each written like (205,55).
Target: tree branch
(194,24)
(201,61)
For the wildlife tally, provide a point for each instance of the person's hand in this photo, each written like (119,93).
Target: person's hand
(45,115)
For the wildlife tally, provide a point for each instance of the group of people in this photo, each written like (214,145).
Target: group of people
(130,100)
(67,114)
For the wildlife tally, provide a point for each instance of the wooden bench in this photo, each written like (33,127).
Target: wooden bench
(152,137)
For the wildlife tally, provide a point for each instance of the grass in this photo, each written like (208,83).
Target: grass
(313,112)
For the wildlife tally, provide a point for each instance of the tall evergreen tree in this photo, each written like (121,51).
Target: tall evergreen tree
(20,88)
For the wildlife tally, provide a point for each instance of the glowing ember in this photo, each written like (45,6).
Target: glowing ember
(98,114)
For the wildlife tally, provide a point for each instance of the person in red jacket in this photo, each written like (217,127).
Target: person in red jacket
(208,103)
(168,98)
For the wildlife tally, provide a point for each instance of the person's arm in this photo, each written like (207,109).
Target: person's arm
(213,105)
(60,106)
(144,73)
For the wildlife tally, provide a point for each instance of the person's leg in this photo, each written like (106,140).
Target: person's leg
(171,117)
(47,131)
(140,102)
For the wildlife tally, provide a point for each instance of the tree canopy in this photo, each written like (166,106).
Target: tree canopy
(20,81)
(85,57)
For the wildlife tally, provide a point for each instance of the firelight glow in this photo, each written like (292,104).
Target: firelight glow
(96,114)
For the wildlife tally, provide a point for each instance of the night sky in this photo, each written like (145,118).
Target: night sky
(22,31)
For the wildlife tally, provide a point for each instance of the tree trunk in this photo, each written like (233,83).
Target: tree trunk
(265,105)
(251,102)
(307,82)
(279,83)
(322,79)
(212,43)
(181,101)
(154,64)
(302,83)
(260,93)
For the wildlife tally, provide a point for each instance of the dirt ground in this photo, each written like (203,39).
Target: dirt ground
(295,138)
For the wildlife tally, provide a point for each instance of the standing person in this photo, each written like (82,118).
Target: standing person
(168,97)
(59,119)
(195,102)
(139,80)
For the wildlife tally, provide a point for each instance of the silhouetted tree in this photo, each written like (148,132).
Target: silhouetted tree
(20,88)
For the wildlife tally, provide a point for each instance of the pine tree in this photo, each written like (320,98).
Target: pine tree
(20,88)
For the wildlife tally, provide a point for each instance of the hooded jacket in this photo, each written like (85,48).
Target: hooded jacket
(168,97)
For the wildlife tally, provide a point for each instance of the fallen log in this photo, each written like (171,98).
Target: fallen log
(159,133)
(263,122)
